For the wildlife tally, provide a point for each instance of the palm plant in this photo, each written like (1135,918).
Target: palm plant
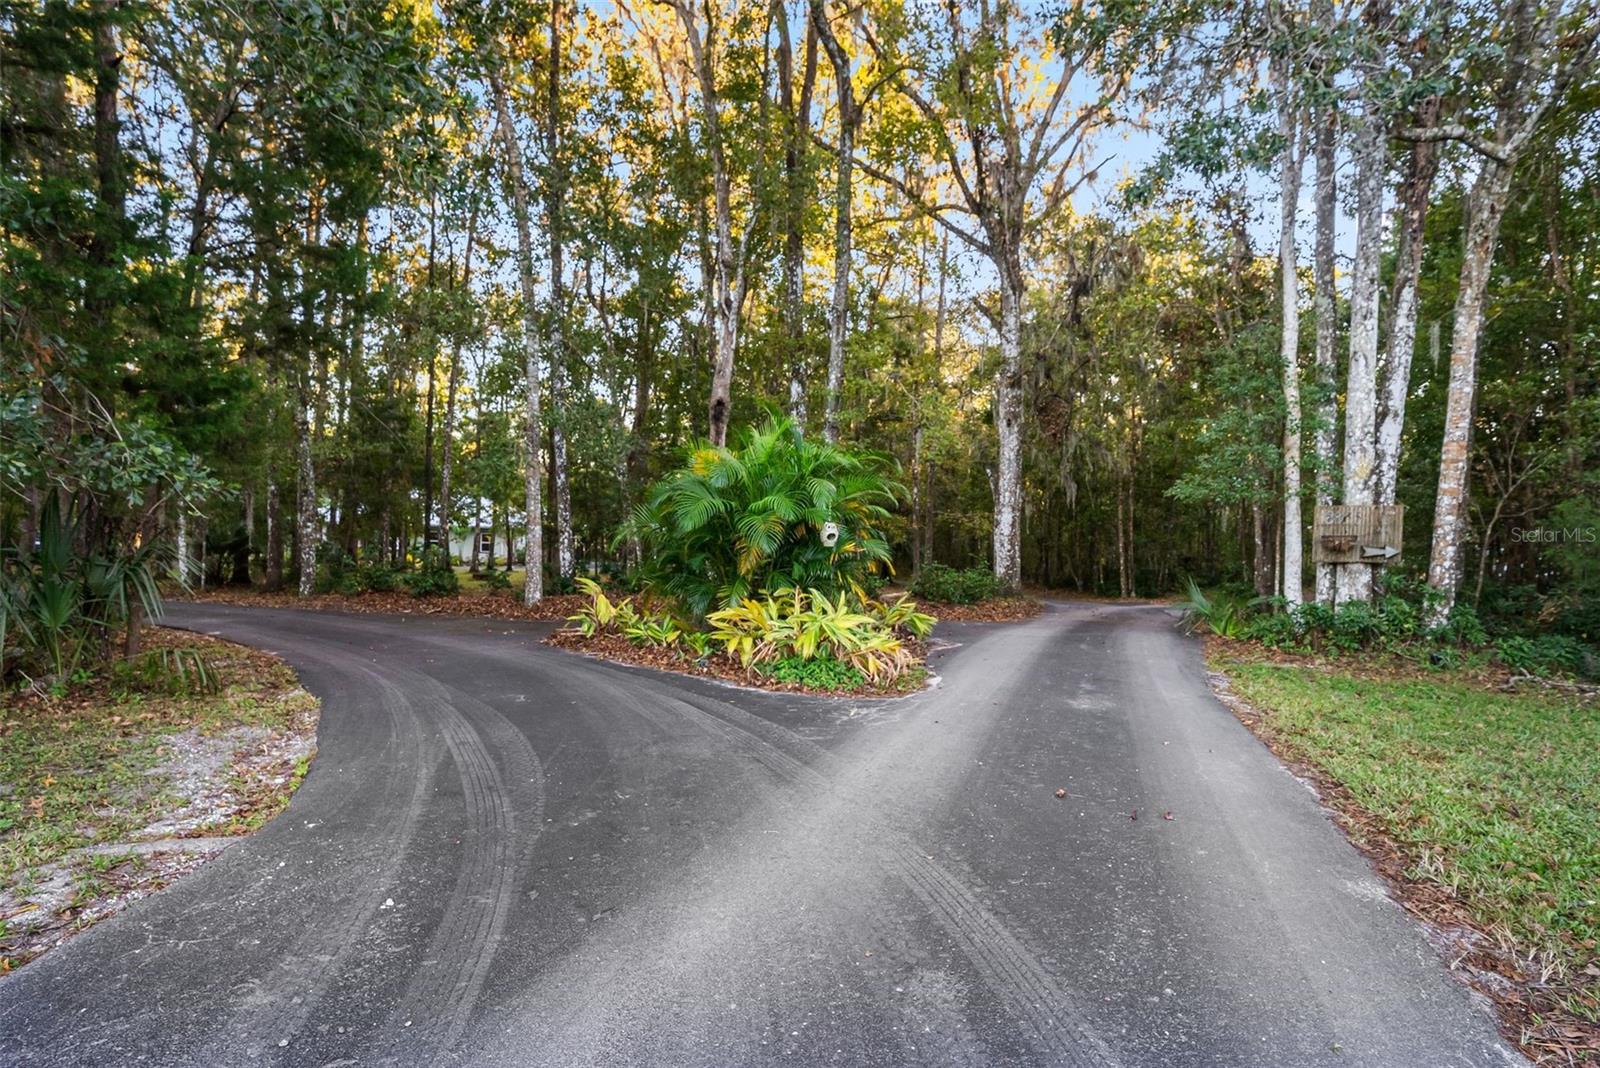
(732,523)
(61,604)
(1220,616)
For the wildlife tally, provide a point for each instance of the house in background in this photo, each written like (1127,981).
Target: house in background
(491,546)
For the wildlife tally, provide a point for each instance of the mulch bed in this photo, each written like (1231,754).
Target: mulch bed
(994,610)
(720,665)
(491,604)
(1532,1009)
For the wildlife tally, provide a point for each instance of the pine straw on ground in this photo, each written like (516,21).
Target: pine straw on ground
(501,604)
(113,789)
(1549,1012)
(722,666)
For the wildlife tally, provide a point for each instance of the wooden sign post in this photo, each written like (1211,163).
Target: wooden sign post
(1357,533)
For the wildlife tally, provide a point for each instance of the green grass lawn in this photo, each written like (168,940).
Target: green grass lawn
(471,583)
(1495,795)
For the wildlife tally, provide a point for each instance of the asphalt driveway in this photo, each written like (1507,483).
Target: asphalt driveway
(506,854)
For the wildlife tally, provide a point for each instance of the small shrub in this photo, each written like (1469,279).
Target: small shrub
(1579,618)
(818,673)
(657,631)
(1353,626)
(176,672)
(335,569)
(1280,630)
(808,625)
(1223,617)
(356,577)
(901,616)
(601,613)
(1550,654)
(496,580)
(1462,628)
(938,582)
(434,577)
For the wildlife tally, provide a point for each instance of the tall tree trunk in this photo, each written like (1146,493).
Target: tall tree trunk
(838,311)
(728,279)
(107,123)
(1289,288)
(447,457)
(180,561)
(272,567)
(306,486)
(1008,425)
(938,363)
(249,519)
(555,190)
(1326,305)
(1122,540)
(1360,410)
(1410,214)
(1263,573)
(1486,203)
(533,589)
(797,116)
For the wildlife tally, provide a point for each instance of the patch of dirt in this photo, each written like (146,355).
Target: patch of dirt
(720,665)
(217,780)
(493,604)
(1532,1001)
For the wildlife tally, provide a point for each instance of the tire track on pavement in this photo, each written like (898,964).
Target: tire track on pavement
(1012,972)
(275,1008)
(505,816)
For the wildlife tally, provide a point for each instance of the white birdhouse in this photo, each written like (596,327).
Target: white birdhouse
(830,534)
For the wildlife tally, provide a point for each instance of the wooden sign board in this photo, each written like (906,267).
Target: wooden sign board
(1357,533)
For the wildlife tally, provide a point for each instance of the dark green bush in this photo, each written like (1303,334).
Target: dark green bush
(434,577)
(738,522)
(335,569)
(339,572)
(1550,654)
(1579,618)
(937,582)
(1462,628)
(496,580)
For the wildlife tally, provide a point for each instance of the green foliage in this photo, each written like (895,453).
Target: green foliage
(174,672)
(1462,628)
(816,673)
(658,631)
(59,606)
(733,523)
(938,582)
(496,581)
(807,625)
(601,613)
(1549,654)
(901,616)
(1220,615)
(434,577)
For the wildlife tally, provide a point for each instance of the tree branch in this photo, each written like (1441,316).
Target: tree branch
(1456,132)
